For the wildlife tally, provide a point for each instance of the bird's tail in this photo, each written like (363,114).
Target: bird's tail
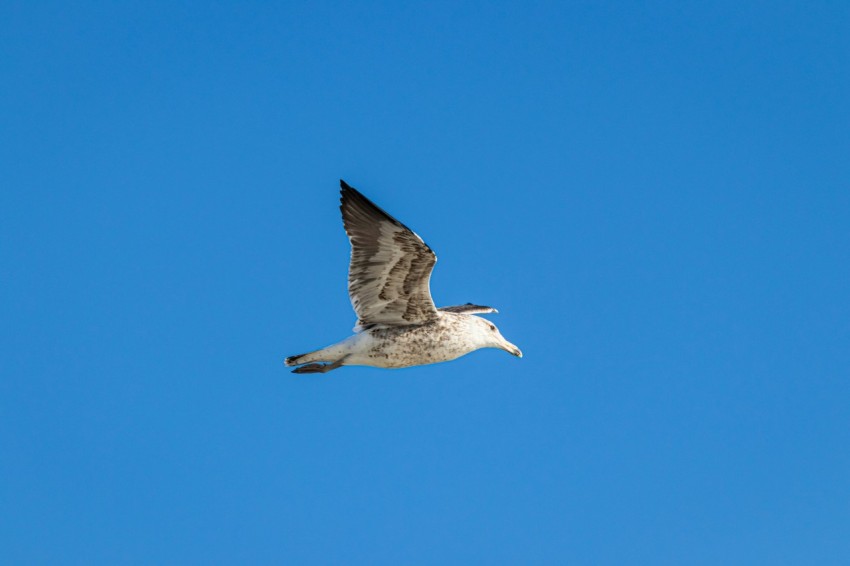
(293,360)
(314,356)
(328,354)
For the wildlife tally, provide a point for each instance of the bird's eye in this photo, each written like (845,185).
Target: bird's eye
(493,328)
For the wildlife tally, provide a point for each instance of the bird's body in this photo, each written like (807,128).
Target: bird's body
(398,324)
(450,336)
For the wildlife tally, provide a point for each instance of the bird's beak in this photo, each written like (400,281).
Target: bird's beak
(511,349)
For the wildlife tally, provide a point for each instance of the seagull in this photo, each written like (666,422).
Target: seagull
(398,325)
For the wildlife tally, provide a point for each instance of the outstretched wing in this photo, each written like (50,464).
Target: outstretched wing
(390,271)
(468,308)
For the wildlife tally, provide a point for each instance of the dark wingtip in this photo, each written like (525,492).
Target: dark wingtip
(346,191)
(349,193)
(351,197)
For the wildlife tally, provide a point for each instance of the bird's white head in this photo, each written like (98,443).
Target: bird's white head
(488,336)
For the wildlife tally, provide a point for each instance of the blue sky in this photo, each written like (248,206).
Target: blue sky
(655,196)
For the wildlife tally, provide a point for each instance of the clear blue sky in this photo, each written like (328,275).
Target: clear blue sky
(656,197)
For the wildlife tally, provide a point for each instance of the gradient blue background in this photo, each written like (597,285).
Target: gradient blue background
(656,197)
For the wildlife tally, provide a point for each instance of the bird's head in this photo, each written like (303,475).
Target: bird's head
(490,337)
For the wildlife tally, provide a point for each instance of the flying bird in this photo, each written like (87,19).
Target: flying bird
(389,286)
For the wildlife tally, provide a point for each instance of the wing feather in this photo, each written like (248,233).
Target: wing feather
(469,308)
(390,270)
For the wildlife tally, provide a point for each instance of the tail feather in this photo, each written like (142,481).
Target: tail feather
(314,356)
(293,360)
(329,354)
